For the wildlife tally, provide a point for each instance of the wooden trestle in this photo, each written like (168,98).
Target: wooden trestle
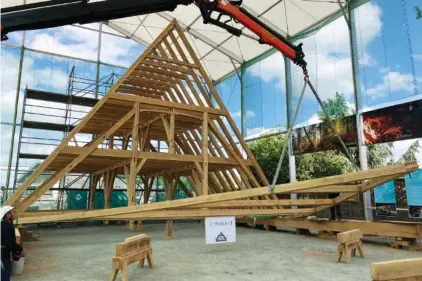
(166,95)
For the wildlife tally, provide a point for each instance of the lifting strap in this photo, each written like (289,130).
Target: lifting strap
(290,129)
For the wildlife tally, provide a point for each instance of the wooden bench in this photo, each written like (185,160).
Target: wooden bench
(349,242)
(397,270)
(133,249)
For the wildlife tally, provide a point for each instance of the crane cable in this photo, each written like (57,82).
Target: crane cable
(307,82)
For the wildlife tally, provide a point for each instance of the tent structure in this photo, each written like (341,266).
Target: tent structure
(166,95)
(219,51)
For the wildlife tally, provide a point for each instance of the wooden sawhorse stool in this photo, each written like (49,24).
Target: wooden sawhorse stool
(133,249)
(349,242)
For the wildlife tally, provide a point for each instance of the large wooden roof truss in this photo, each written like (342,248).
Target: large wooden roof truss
(167,96)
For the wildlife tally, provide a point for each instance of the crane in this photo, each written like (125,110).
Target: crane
(56,13)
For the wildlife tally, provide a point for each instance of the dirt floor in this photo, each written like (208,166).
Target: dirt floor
(85,252)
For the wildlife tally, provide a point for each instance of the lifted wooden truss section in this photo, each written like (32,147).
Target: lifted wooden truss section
(378,228)
(167,96)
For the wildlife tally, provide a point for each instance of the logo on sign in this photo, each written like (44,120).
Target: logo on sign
(78,197)
(220,230)
(221,238)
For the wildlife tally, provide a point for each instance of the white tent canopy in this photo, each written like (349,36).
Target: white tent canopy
(218,50)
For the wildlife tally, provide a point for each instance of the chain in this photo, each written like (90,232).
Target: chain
(415,82)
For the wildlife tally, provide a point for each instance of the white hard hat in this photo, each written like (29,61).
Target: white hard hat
(4,210)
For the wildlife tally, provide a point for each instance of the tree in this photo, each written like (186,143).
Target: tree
(336,107)
(267,151)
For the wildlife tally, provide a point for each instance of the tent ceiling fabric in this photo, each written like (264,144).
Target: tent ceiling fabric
(218,50)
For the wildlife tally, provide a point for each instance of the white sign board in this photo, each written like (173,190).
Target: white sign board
(220,230)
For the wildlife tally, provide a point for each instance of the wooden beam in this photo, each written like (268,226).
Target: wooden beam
(74,150)
(384,228)
(241,194)
(201,213)
(205,153)
(112,167)
(178,62)
(140,165)
(92,191)
(166,126)
(183,168)
(133,163)
(184,188)
(86,151)
(405,270)
(171,133)
(264,203)
(163,103)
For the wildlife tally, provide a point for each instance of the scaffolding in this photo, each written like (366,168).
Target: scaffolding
(49,112)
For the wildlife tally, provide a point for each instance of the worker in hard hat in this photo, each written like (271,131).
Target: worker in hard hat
(9,248)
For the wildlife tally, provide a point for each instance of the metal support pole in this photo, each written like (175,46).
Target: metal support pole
(243,109)
(19,142)
(15,113)
(97,79)
(363,157)
(289,110)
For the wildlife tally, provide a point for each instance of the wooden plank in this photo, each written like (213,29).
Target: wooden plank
(395,269)
(241,194)
(59,174)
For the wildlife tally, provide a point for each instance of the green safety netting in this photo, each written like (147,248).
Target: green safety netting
(77,200)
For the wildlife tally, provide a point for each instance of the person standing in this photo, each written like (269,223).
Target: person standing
(9,247)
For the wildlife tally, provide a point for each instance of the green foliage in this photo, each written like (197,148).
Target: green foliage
(379,155)
(410,154)
(267,152)
(320,164)
(336,107)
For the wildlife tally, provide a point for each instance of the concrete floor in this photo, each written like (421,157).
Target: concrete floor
(84,253)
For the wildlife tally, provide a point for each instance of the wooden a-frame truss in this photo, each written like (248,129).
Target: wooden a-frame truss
(167,96)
